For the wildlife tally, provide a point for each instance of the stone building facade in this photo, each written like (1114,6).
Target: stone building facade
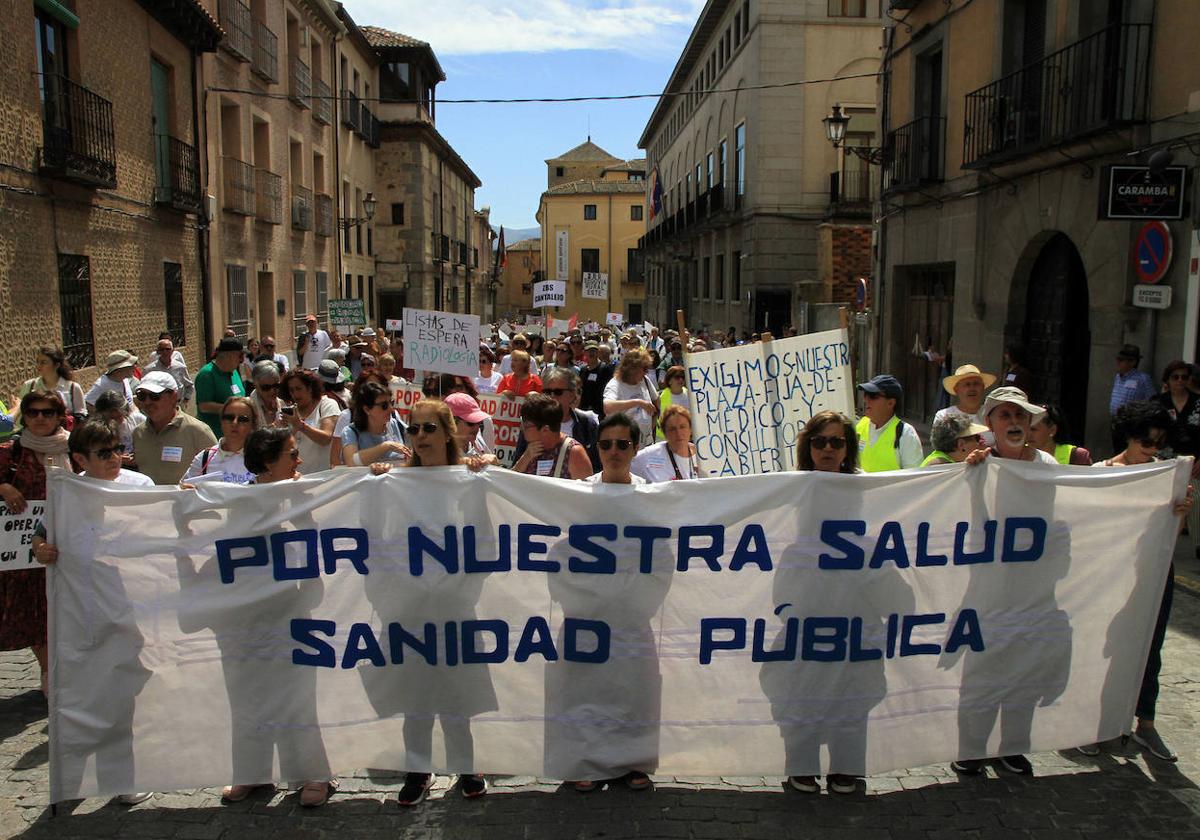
(515,294)
(592,216)
(427,242)
(100,198)
(746,175)
(995,230)
(273,251)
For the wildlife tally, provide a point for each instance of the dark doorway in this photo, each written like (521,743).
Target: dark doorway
(391,305)
(928,322)
(1056,334)
(772,311)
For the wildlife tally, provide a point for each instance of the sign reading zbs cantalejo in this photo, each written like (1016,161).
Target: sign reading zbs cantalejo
(1134,192)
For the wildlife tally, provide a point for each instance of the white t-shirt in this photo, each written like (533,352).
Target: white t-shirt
(487,384)
(230,466)
(654,464)
(103,383)
(598,478)
(314,349)
(619,391)
(316,458)
(506,366)
(133,479)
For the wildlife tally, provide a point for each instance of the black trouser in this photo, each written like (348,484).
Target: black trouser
(1148,695)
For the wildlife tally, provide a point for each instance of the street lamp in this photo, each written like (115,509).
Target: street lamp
(835,132)
(368,210)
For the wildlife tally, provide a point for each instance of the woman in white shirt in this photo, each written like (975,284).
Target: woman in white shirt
(673,459)
(311,417)
(54,374)
(225,461)
(630,392)
(489,378)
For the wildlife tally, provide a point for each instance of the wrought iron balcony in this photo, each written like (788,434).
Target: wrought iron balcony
(851,189)
(322,103)
(350,109)
(237,22)
(372,136)
(917,153)
(78,143)
(178,169)
(238,186)
(302,208)
(364,121)
(1100,82)
(300,89)
(265,59)
(324,225)
(269,204)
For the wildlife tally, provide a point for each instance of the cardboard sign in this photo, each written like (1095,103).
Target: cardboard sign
(549,293)
(346,312)
(750,403)
(443,342)
(394,324)
(16,535)
(614,319)
(595,286)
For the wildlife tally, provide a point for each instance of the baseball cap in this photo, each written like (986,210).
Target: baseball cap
(465,407)
(157,381)
(884,384)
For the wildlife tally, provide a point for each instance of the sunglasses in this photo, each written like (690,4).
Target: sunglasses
(150,395)
(427,428)
(1180,376)
(41,412)
(109,451)
(235,418)
(821,441)
(556,392)
(270,386)
(620,444)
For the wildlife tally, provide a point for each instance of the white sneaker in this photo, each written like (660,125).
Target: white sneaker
(134,798)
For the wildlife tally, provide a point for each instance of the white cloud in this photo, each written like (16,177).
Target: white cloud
(466,27)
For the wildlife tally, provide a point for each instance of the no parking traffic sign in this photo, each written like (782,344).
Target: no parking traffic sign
(1152,252)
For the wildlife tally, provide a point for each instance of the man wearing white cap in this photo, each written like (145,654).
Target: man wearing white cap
(166,443)
(117,376)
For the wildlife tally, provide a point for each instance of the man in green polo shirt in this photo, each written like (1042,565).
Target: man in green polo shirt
(217,381)
(164,446)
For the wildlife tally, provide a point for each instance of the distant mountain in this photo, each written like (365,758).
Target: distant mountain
(513,235)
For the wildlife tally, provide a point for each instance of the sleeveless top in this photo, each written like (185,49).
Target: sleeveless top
(555,463)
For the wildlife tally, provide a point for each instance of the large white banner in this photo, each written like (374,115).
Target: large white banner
(750,403)
(435,619)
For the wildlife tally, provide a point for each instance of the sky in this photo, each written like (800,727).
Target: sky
(539,48)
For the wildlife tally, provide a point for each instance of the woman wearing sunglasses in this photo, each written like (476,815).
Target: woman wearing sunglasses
(468,428)
(23,463)
(265,396)
(226,461)
(828,444)
(374,434)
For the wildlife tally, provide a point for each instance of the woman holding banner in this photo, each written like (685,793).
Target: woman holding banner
(374,433)
(23,461)
(468,428)
(311,417)
(674,458)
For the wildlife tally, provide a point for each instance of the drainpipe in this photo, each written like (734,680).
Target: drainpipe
(199,115)
(337,164)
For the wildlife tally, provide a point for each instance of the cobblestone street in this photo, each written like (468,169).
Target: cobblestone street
(1118,794)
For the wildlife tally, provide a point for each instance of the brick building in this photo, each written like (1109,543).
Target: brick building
(515,294)
(100,181)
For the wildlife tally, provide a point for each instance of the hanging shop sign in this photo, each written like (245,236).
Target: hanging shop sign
(1134,192)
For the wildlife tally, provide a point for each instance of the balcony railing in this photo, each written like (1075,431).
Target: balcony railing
(322,103)
(350,110)
(269,206)
(324,225)
(178,169)
(1098,83)
(851,188)
(364,121)
(265,59)
(78,143)
(237,23)
(917,153)
(302,207)
(300,89)
(372,136)
(239,186)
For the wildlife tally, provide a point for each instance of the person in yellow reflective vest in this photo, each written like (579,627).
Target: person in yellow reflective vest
(1044,435)
(954,437)
(885,442)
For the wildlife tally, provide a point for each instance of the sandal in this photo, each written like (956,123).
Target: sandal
(637,780)
(584,786)
(316,794)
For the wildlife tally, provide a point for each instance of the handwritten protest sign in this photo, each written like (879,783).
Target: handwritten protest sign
(595,285)
(750,403)
(614,319)
(444,342)
(549,293)
(505,411)
(16,536)
(347,312)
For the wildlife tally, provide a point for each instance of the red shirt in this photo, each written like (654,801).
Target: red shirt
(509,383)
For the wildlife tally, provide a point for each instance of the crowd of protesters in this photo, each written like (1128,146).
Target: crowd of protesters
(601,406)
